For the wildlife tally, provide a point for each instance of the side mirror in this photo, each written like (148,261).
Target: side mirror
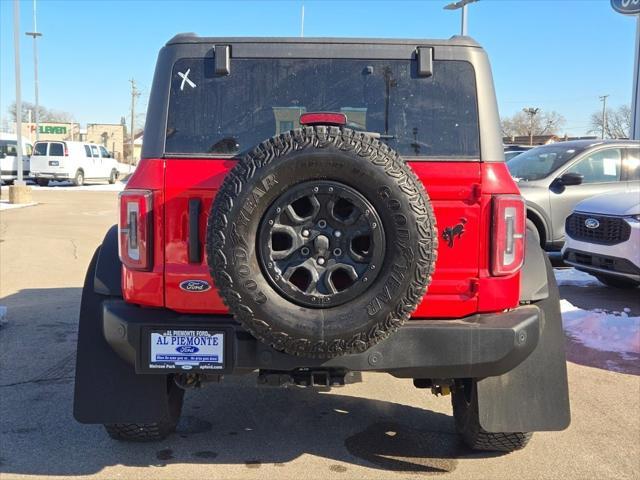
(571,178)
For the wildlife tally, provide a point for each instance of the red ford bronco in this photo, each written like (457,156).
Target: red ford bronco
(310,209)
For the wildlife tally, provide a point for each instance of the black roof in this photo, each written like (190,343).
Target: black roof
(454,41)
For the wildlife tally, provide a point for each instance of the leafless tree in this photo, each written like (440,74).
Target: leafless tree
(44,114)
(523,124)
(617,123)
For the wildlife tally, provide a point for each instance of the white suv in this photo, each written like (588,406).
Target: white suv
(603,238)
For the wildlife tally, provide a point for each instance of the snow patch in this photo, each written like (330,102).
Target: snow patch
(5,205)
(576,278)
(601,330)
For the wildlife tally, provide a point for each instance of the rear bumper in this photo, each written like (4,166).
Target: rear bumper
(51,175)
(476,346)
(12,174)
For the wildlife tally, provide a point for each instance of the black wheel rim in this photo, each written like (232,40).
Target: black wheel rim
(321,244)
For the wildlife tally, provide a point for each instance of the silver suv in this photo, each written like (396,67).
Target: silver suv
(554,178)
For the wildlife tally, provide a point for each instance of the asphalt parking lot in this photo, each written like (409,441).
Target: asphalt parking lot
(381,428)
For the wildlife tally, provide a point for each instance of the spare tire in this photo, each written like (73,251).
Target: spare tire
(321,241)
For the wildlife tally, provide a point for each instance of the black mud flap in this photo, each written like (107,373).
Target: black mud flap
(107,390)
(534,396)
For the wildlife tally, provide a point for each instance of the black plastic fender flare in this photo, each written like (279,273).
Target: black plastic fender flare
(534,284)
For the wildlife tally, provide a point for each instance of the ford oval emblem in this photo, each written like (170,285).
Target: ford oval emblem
(187,349)
(195,286)
(591,223)
(626,7)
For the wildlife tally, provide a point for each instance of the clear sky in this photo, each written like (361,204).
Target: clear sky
(556,54)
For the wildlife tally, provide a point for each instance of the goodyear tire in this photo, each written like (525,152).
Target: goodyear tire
(321,241)
(464,399)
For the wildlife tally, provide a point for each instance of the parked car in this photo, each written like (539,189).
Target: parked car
(554,178)
(511,151)
(75,161)
(9,158)
(603,238)
(260,234)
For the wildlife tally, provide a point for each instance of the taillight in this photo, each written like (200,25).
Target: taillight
(135,229)
(508,229)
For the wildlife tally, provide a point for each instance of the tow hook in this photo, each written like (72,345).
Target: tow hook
(194,380)
(439,387)
(441,390)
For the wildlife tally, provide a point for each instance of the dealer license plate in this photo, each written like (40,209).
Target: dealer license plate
(186,350)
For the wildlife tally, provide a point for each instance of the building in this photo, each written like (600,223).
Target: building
(110,135)
(50,131)
(137,148)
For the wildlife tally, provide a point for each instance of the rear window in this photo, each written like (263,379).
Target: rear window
(433,116)
(40,148)
(8,147)
(56,150)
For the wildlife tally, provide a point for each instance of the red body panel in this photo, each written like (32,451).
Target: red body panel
(460,193)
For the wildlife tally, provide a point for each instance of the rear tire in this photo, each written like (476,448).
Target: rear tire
(42,182)
(617,282)
(151,432)
(113,177)
(465,411)
(78,180)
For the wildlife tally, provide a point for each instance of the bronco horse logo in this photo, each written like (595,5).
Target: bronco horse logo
(451,233)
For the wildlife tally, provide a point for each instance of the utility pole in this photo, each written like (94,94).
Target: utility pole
(35,34)
(18,192)
(302,22)
(532,112)
(16,50)
(603,99)
(134,94)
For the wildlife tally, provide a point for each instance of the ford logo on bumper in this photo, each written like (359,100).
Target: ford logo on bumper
(195,286)
(591,223)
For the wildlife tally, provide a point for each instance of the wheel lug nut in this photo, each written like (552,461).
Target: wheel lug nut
(305,233)
(337,234)
(320,261)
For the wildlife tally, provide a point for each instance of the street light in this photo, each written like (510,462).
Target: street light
(463,5)
(35,34)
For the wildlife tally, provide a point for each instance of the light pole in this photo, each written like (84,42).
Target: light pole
(463,5)
(35,34)
(18,192)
